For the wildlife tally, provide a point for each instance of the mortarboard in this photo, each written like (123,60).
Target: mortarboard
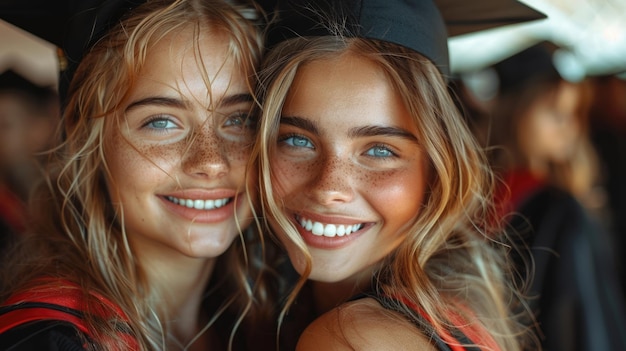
(421,25)
(530,66)
(72,25)
(69,24)
(11,81)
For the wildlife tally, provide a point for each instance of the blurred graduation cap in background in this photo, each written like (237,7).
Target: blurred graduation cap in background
(74,25)
(527,68)
(11,81)
(69,24)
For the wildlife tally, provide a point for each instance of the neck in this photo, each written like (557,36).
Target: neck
(179,286)
(330,295)
(539,168)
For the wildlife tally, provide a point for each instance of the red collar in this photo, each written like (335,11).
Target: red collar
(60,293)
(515,187)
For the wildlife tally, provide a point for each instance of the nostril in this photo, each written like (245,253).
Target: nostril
(332,186)
(206,159)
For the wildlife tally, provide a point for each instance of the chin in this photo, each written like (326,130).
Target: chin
(207,252)
(210,248)
(327,276)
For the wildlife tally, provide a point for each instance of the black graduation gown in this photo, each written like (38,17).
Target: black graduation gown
(579,304)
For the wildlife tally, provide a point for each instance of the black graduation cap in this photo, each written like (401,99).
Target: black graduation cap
(69,24)
(421,25)
(530,66)
(72,25)
(11,81)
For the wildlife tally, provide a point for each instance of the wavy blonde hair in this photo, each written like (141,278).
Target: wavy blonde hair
(447,264)
(78,234)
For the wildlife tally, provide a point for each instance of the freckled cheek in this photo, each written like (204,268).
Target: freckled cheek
(396,196)
(126,159)
(236,153)
(288,176)
(161,157)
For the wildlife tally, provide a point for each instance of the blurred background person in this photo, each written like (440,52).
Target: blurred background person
(608,133)
(29,116)
(537,136)
(538,131)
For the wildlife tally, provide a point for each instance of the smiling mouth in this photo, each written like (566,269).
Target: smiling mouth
(328,230)
(200,204)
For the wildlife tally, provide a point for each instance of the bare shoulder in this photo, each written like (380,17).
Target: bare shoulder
(362,325)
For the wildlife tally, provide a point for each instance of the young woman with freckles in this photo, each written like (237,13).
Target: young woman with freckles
(141,229)
(378,192)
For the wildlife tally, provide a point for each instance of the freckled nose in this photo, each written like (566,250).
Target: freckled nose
(205,156)
(331,184)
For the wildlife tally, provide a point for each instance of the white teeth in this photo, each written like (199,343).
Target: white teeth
(199,204)
(328,230)
(318,228)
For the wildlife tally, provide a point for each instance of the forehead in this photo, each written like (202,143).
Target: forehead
(342,86)
(347,68)
(189,59)
(349,73)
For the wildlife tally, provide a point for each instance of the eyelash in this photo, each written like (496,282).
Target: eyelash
(156,118)
(383,147)
(247,120)
(286,137)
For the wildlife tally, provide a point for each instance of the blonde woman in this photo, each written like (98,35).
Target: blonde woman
(138,242)
(376,188)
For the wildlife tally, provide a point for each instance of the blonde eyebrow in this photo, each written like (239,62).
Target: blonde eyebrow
(367,131)
(178,103)
(301,123)
(157,100)
(236,99)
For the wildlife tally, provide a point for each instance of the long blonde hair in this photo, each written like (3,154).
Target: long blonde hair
(447,261)
(78,235)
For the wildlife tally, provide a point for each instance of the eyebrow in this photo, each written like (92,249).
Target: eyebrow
(301,123)
(178,103)
(365,131)
(156,100)
(368,131)
(236,99)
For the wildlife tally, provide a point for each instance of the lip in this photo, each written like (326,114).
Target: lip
(216,215)
(324,242)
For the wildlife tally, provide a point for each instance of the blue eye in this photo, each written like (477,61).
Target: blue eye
(240,120)
(380,151)
(297,141)
(161,123)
